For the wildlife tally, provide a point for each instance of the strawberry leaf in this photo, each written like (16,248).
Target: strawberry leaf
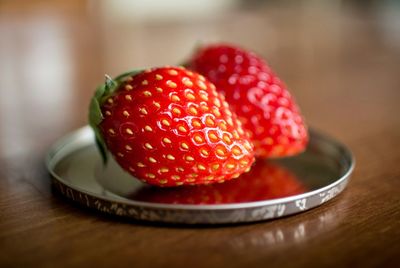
(95,114)
(95,118)
(121,77)
(109,86)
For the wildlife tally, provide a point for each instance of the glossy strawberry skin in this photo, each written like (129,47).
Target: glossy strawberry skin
(169,127)
(265,181)
(260,99)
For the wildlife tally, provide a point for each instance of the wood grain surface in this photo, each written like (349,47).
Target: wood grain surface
(341,61)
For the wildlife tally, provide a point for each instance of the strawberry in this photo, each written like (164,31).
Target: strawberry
(169,127)
(264,181)
(260,99)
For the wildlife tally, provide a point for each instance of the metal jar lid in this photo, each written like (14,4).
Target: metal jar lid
(311,179)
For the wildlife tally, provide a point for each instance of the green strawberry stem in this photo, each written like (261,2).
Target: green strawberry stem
(95,115)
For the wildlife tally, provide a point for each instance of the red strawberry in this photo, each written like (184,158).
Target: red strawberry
(169,126)
(260,99)
(264,181)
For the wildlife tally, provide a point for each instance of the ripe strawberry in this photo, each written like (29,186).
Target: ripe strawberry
(260,99)
(169,126)
(264,181)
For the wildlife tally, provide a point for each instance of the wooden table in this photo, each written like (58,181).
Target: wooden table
(341,62)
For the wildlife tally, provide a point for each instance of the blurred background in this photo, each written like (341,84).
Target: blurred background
(339,58)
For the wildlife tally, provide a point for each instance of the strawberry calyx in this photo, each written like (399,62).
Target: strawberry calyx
(95,115)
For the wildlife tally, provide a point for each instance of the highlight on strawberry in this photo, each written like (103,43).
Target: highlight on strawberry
(169,127)
(261,100)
